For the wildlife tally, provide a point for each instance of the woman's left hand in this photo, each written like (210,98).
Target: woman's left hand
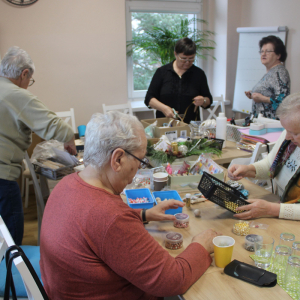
(258,208)
(199,100)
(258,98)
(157,213)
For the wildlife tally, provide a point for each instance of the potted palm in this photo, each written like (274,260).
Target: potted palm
(159,42)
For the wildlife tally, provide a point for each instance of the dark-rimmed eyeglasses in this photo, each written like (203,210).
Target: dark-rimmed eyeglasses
(266,51)
(144,163)
(31,81)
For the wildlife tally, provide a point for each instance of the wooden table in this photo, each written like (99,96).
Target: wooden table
(214,284)
(229,153)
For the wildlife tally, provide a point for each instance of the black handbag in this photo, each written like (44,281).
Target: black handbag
(9,283)
(251,274)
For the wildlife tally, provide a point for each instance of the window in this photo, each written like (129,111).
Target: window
(140,17)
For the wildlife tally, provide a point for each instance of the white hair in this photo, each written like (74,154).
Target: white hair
(289,106)
(14,62)
(106,132)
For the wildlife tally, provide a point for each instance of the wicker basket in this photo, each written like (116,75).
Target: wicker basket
(221,193)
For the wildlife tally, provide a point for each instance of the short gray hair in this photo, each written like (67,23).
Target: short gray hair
(14,62)
(289,105)
(106,132)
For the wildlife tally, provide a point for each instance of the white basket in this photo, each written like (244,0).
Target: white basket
(232,132)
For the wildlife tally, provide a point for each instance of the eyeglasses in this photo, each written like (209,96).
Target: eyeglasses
(186,59)
(31,81)
(266,51)
(144,163)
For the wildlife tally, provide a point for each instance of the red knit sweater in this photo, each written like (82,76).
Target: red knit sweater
(93,246)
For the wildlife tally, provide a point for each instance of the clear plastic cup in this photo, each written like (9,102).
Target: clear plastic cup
(282,253)
(263,249)
(287,239)
(296,249)
(292,276)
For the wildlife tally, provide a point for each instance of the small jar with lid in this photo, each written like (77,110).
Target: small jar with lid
(174,240)
(182,220)
(250,240)
(241,228)
(188,200)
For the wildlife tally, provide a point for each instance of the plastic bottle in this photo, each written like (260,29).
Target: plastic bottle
(221,126)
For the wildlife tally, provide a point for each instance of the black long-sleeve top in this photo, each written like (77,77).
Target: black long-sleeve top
(178,93)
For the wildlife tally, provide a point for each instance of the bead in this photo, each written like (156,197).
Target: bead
(241,228)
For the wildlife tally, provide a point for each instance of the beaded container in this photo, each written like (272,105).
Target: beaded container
(174,240)
(182,220)
(241,228)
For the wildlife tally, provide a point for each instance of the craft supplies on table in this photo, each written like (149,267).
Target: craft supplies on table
(140,194)
(173,240)
(167,195)
(221,193)
(241,228)
(182,220)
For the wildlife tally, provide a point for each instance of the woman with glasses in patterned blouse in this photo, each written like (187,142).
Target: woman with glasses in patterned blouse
(274,86)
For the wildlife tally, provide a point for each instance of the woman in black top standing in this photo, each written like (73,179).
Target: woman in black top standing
(179,85)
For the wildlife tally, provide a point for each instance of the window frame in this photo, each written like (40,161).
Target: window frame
(163,6)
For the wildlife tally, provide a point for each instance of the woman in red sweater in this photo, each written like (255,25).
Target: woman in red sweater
(93,245)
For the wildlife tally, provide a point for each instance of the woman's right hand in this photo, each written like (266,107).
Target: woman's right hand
(248,94)
(237,172)
(205,238)
(168,112)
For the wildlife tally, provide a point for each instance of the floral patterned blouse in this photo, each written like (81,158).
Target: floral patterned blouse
(274,84)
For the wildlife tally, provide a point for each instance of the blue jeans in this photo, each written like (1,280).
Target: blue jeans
(11,209)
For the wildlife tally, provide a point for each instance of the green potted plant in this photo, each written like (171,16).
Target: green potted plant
(159,42)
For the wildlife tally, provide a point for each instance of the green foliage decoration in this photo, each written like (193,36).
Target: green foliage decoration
(203,146)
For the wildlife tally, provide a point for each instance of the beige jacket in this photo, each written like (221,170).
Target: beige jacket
(21,113)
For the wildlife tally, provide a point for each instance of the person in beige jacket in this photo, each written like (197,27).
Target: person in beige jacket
(21,113)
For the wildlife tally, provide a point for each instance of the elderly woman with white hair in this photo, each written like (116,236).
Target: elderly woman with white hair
(93,245)
(282,164)
(21,113)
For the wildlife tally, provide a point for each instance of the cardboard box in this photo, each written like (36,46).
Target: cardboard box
(186,179)
(182,129)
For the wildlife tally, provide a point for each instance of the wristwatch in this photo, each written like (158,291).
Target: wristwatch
(144,216)
(204,102)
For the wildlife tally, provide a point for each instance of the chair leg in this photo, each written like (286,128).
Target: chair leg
(26,192)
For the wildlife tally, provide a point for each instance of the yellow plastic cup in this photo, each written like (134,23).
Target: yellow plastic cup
(223,247)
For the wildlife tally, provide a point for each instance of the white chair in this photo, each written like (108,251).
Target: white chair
(68,116)
(125,108)
(40,203)
(217,102)
(33,254)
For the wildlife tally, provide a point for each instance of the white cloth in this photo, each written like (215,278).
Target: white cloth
(262,167)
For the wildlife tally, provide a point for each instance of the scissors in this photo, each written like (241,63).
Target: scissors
(177,115)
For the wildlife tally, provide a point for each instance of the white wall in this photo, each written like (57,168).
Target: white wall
(78,48)
(246,13)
